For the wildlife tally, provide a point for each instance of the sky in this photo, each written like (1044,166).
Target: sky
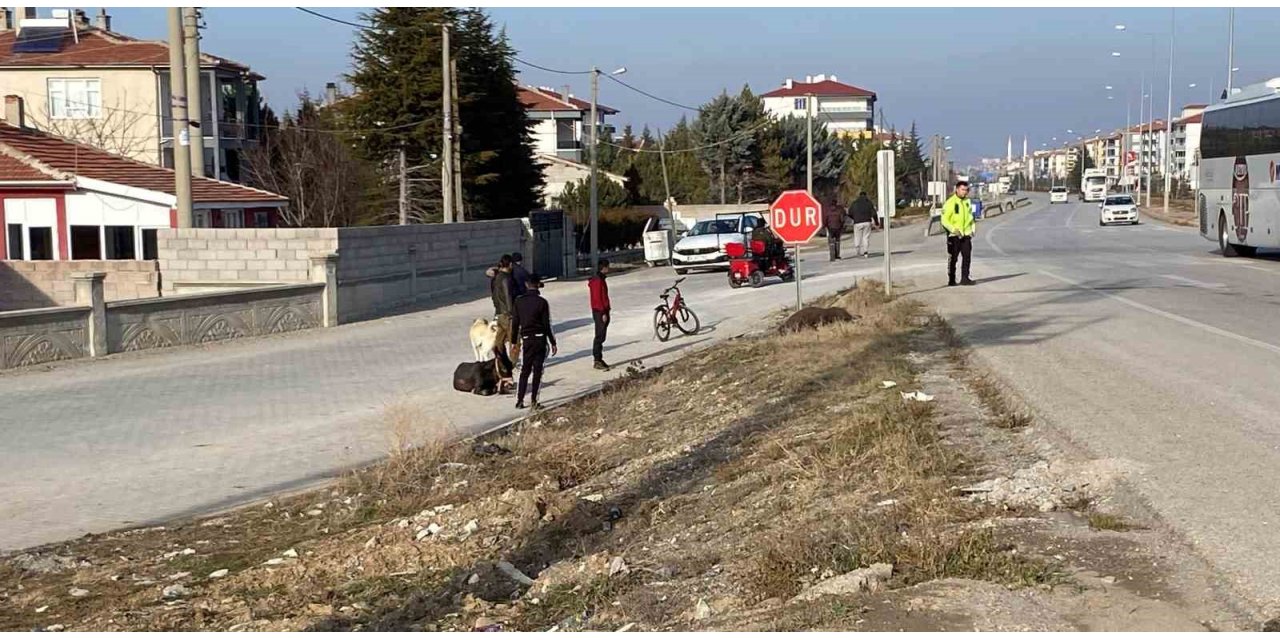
(977,75)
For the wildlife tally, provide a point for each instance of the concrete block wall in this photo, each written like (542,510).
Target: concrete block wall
(381,268)
(244,257)
(47,283)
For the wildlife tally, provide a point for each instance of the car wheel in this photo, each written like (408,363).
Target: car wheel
(757,279)
(1228,249)
(681,272)
(1101,223)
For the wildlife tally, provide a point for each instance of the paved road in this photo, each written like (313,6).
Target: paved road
(1142,343)
(95,446)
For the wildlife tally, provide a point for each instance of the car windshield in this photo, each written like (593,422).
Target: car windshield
(708,227)
(1113,200)
(1059,189)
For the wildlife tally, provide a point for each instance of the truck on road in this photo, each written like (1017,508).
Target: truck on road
(1093,185)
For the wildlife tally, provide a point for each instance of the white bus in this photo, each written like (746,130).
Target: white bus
(1093,186)
(1238,199)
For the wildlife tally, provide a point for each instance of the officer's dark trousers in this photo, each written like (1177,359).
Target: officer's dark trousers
(958,247)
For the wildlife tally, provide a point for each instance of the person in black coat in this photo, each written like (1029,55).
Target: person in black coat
(533,325)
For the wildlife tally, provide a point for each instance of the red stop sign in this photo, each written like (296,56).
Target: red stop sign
(795,216)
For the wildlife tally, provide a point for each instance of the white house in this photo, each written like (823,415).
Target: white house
(560,138)
(844,109)
(66,200)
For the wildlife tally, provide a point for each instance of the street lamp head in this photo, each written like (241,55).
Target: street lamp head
(1120,27)
(1115,54)
(1191,86)
(619,71)
(1234,69)
(1108,87)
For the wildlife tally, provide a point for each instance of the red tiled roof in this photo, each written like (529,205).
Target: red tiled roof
(82,160)
(15,170)
(547,100)
(824,88)
(103,48)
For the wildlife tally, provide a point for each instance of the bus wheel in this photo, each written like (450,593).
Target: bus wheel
(1231,250)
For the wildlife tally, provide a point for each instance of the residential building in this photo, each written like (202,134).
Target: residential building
(558,121)
(66,200)
(1186,144)
(844,109)
(87,82)
(560,137)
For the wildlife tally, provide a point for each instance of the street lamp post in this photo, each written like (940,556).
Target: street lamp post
(595,154)
(1168,120)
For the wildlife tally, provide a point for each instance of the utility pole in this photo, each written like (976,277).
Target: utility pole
(178,107)
(195,106)
(1231,47)
(446,154)
(808,121)
(404,189)
(1168,119)
(458,203)
(595,213)
(667,203)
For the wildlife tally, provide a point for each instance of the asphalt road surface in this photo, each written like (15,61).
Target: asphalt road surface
(1143,343)
(94,446)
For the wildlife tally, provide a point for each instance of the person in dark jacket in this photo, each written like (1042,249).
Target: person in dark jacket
(833,220)
(533,324)
(864,216)
(600,311)
(502,292)
(519,275)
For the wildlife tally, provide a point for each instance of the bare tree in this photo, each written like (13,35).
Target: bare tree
(124,128)
(315,168)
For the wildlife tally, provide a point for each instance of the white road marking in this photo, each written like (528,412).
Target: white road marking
(1170,316)
(1073,215)
(1196,283)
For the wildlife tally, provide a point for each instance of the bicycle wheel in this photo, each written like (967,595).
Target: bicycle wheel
(661,325)
(687,321)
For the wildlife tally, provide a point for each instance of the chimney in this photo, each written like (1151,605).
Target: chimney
(790,84)
(102,20)
(15,111)
(80,19)
(22,13)
(330,93)
(820,77)
(808,79)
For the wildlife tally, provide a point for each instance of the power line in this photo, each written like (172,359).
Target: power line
(650,95)
(333,19)
(548,69)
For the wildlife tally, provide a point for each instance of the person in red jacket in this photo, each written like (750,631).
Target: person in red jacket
(600,311)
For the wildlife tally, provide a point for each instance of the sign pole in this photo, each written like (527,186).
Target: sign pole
(799,297)
(886,189)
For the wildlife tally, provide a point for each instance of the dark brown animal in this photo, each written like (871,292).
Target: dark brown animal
(481,378)
(811,317)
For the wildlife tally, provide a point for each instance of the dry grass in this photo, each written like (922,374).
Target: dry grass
(1108,522)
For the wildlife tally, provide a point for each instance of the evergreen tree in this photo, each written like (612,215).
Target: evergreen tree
(829,157)
(1083,161)
(728,150)
(913,167)
(860,171)
(398,105)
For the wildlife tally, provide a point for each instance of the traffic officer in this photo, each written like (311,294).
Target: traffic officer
(957,219)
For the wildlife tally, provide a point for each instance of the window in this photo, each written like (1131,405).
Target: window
(200,218)
(149,251)
(120,244)
(801,104)
(85,242)
(40,243)
(566,135)
(75,98)
(1247,129)
(232,165)
(233,218)
(261,219)
(15,242)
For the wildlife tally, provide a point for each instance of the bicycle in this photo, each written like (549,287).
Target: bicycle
(674,312)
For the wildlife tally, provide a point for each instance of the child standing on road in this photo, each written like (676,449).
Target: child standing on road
(600,311)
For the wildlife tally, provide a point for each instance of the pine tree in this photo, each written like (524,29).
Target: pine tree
(829,157)
(728,149)
(398,104)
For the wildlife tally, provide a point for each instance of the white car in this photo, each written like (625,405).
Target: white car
(1058,194)
(703,245)
(1117,208)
